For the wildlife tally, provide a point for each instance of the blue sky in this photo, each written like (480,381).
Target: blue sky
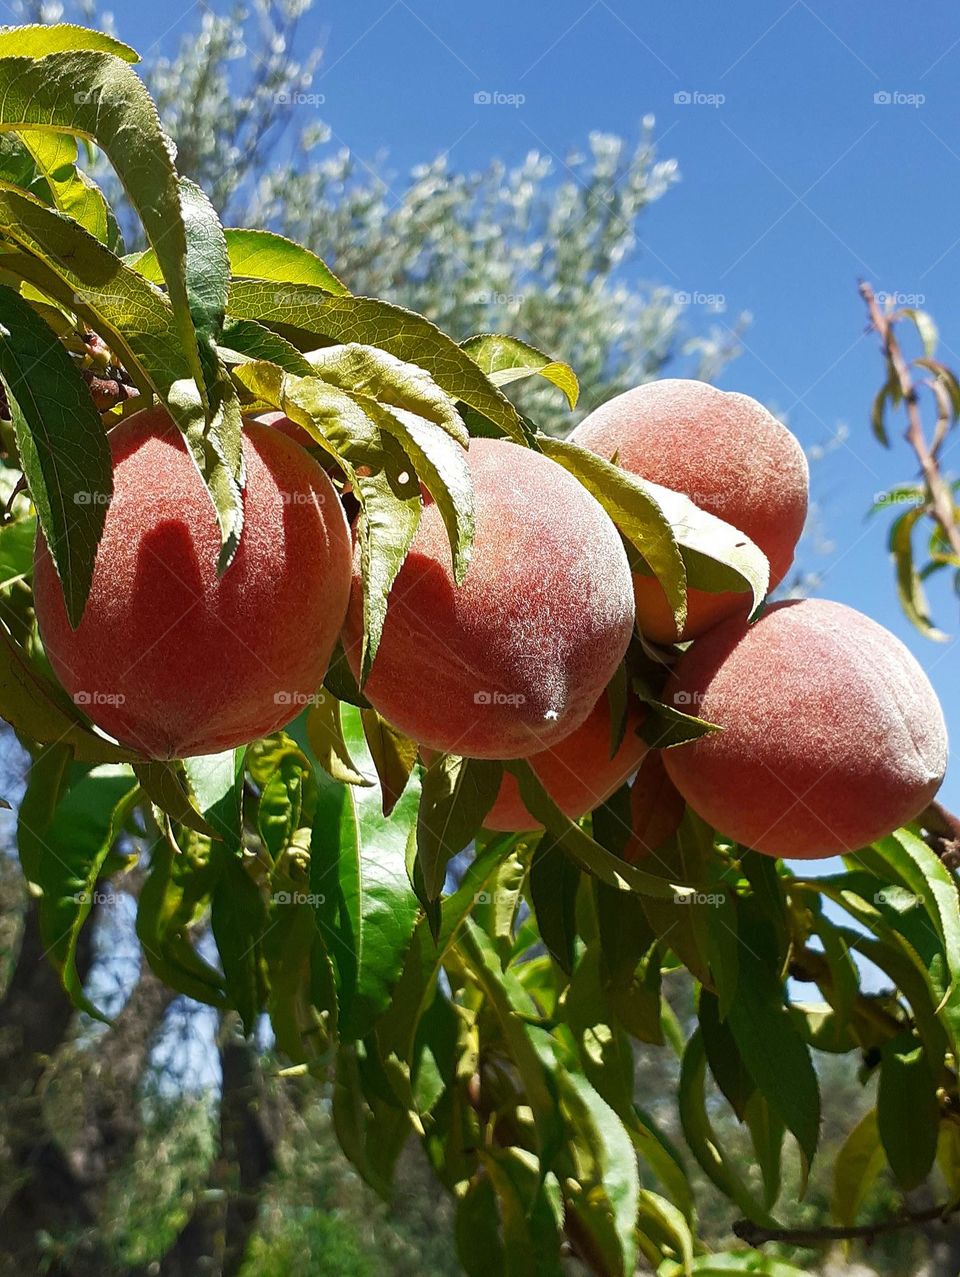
(820,145)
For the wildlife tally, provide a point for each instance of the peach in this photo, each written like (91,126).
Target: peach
(578,772)
(725,452)
(170,659)
(515,658)
(832,735)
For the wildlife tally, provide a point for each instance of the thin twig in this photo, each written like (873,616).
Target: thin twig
(941,501)
(757,1235)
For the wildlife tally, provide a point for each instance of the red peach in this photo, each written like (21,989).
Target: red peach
(725,452)
(832,735)
(515,658)
(170,659)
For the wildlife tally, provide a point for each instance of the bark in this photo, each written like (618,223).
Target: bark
(58,1190)
(215,1238)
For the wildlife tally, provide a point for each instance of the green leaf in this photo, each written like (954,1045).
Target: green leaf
(301,310)
(325,733)
(71,266)
(877,422)
(358,867)
(605,1183)
(378,469)
(441,466)
(766,1133)
(62,444)
(265,255)
(476,1228)
(703,1140)
(908,1112)
(685,923)
(509,1002)
(73,847)
(36,41)
(634,510)
(910,590)
(666,1227)
(426,955)
(775,1054)
(69,188)
(716,555)
(369,373)
(735,1261)
(726,1063)
(934,885)
(664,726)
(243,340)
(281,799)
(457,794)
(237,917)
(45,784)
(167,787)
(531,1236)
(554,879)
(97,96)
(855,1170)
(217,782)
(174,896)
(926,328)
(393,754)
(31,705)
(505,359)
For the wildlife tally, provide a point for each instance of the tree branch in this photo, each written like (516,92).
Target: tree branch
(941,501)
(757,1235)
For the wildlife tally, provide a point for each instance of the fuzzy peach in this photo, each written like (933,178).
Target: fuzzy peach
(832,735)
(730,456)
(578,772)
(170,659)
(515,658)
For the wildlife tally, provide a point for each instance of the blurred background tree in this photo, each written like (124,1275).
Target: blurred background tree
(178,1141)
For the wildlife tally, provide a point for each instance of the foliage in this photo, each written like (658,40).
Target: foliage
(440,1016)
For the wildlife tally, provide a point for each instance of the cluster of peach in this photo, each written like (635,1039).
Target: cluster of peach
(830,733)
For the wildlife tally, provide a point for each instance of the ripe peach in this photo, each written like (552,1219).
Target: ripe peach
(516,657)
(832,735)
(168,658)
(578,772)
(725,452)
